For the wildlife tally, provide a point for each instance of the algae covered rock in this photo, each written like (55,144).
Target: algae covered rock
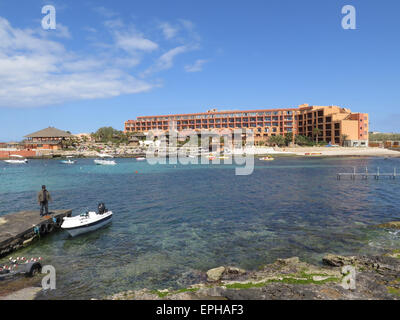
(334,260)
(215,274)
(390,225)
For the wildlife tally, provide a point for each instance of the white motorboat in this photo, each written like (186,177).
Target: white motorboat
(140,159)
(16,159)
(103,161)
(88,221)
(68,161)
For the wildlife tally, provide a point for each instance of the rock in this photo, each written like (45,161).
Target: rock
(390,225)
(320,278)
(23,294)
(290,279)
(338,261)
(394,254)
(215,274)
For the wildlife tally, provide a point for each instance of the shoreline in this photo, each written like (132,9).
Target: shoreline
(290,279)
(311,152)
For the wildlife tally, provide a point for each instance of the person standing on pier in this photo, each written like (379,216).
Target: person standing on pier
(43,199)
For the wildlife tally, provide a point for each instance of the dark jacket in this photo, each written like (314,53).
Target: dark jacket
(41,196)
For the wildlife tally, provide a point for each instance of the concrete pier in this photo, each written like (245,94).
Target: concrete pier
(18,230)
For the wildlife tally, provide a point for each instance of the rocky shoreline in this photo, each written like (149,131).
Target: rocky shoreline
(376,278)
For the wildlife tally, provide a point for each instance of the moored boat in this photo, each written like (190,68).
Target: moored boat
(267,158)
(68,161)
(103,161)
(88,221)
(16,159)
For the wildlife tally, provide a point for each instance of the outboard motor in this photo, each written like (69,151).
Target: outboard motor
(102,208)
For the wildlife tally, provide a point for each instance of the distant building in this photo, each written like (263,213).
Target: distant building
(47,139)
(331,124)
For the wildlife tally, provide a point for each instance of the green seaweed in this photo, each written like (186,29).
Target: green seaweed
(393,290)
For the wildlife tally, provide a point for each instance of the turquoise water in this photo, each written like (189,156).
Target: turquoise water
(171,221)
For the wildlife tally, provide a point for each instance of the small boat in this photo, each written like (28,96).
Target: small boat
(140,159)
(88,221)
(268,158)
(104,162)
(17,159)
(223,157)
(68,161)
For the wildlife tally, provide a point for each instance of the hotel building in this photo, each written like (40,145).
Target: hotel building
(331,123)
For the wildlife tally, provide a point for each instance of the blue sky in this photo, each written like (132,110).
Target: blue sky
(110,61)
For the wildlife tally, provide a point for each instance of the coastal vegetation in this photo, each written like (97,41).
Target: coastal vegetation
(384,136)
(109,134)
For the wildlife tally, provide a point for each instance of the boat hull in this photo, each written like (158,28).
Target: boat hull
(16,161)
(74,231)
(105,162)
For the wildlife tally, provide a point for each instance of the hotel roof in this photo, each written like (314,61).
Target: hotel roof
(49,132)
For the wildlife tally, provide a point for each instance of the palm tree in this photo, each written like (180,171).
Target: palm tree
(316,132)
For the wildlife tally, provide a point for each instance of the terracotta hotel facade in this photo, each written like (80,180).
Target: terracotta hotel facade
(336,125)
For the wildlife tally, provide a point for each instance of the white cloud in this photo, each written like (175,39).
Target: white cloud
(105,12)
(197,66)
(134,41)
(165,61)
(114,23)
(168,30)
(36,71)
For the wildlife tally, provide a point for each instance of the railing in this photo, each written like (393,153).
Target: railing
(365,175)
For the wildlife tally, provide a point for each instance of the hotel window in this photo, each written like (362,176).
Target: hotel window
(266,129)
